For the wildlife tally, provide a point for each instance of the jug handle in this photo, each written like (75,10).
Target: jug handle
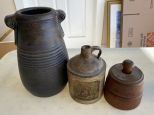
(97,48)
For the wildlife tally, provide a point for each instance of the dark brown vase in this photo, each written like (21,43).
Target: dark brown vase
(124,86)
(86,74)
(42,55)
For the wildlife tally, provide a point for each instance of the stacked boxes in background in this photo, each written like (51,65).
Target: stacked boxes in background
(138,23)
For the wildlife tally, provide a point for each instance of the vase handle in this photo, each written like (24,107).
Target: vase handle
(61,15)
(10,21)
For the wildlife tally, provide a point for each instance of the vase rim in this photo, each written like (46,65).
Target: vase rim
(36,13)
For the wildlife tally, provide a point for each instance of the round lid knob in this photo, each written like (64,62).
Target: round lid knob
(127,66)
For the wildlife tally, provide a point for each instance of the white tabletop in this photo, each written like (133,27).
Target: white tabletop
(16,100)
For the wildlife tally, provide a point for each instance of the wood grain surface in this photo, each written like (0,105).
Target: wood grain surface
(6,47)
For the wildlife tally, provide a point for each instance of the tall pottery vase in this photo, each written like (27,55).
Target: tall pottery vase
(41,51)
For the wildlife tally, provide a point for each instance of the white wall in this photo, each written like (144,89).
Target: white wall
(6,7)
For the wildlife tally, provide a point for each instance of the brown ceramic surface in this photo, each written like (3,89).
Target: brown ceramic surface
(124,85)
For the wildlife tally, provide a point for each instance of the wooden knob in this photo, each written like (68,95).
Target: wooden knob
(127,66)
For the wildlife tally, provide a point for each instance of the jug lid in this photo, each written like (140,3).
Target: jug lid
(87,64)
(126,73)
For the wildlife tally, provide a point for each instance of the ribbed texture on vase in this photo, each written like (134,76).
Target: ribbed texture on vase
(43,59)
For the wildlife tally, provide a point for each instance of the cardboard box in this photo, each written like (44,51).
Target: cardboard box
(138,23)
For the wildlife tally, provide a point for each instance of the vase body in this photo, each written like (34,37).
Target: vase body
(41,51)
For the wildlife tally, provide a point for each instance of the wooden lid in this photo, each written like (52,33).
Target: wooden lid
(126,73)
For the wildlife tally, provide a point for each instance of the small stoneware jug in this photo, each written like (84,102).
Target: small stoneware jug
(86,73)
(124,85)
(42,55)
